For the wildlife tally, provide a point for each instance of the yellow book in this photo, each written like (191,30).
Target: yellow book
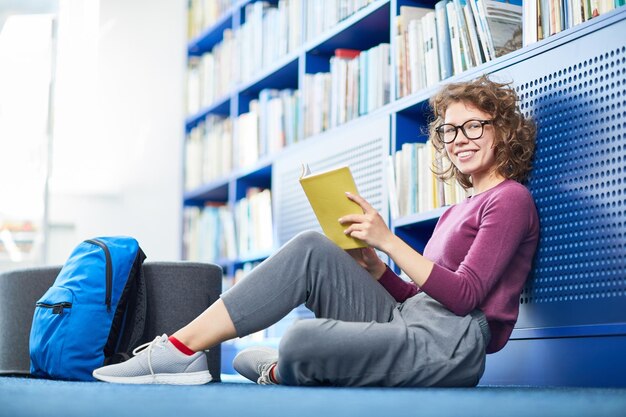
(326,192)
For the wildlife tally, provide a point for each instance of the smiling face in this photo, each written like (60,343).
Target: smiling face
(475,158)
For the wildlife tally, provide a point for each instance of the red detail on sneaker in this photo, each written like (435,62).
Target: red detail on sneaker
(181,346)
(273,374)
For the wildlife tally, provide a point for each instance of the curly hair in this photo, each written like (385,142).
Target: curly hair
(514,139)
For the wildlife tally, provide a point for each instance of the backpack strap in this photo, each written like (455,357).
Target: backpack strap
(130,334)
(136,320)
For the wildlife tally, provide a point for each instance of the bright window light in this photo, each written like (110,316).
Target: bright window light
(25,78)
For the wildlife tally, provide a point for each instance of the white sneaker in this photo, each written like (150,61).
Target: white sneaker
(158,362)
(255,364)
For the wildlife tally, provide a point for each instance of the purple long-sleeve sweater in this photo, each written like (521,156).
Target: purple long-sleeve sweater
(483,250)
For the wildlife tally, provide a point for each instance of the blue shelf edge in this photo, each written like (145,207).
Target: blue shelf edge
(328,41)
(589,330)
(217,190)
(212,191)
(219,107)
(421,217)
(284,66)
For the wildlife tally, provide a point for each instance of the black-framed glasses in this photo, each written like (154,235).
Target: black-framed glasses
(472,129)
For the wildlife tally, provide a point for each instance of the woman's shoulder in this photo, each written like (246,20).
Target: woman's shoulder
(510,193)
(511,188)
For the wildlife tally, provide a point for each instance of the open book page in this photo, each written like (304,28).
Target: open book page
(326,192)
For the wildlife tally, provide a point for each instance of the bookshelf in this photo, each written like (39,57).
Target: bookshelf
(570,62)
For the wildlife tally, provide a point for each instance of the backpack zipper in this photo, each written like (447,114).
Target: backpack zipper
(109,271)
(56,308)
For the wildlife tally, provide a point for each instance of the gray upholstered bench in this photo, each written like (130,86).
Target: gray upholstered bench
(177,293)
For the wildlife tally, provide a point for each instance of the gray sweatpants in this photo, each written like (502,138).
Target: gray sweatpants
(361,336)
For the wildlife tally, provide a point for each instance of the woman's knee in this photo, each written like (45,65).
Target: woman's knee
(312,242)
(301,340)
(301,353)
(309,238)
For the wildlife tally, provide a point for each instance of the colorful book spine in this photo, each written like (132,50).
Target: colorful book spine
(444,49)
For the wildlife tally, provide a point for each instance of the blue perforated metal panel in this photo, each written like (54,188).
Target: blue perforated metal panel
(577,95)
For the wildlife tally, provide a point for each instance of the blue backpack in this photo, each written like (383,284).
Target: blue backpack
(94,313)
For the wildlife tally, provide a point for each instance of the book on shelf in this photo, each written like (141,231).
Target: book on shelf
(443,40)
(415,57)
(465,48)
(431,48)
(417,188)
(352,90)
(316,98)
(194,86)
(248,145)
(254,16)
(193,158)
(481,30)
(291,116)
(343,78)
(543,18)
(209,234)
(294,24)
(273,35)
(531,23)
(392,188)
(202,14)
(270,115)
(502,25)
(477,50)
(326,194)
(458,64)
(254,225)
(208,151)
(357,84)
(277,124)
(378,77)
(409,62)
(363,75)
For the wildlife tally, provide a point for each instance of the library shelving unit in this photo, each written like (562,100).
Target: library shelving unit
(571,328)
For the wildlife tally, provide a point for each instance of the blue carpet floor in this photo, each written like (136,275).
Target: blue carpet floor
(32,397)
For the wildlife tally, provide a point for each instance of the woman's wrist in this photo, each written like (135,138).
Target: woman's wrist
(380,270)
(388,245)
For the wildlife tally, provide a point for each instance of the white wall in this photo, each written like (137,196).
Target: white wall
(118,125)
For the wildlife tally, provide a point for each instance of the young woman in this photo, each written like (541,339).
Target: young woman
(372,328)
